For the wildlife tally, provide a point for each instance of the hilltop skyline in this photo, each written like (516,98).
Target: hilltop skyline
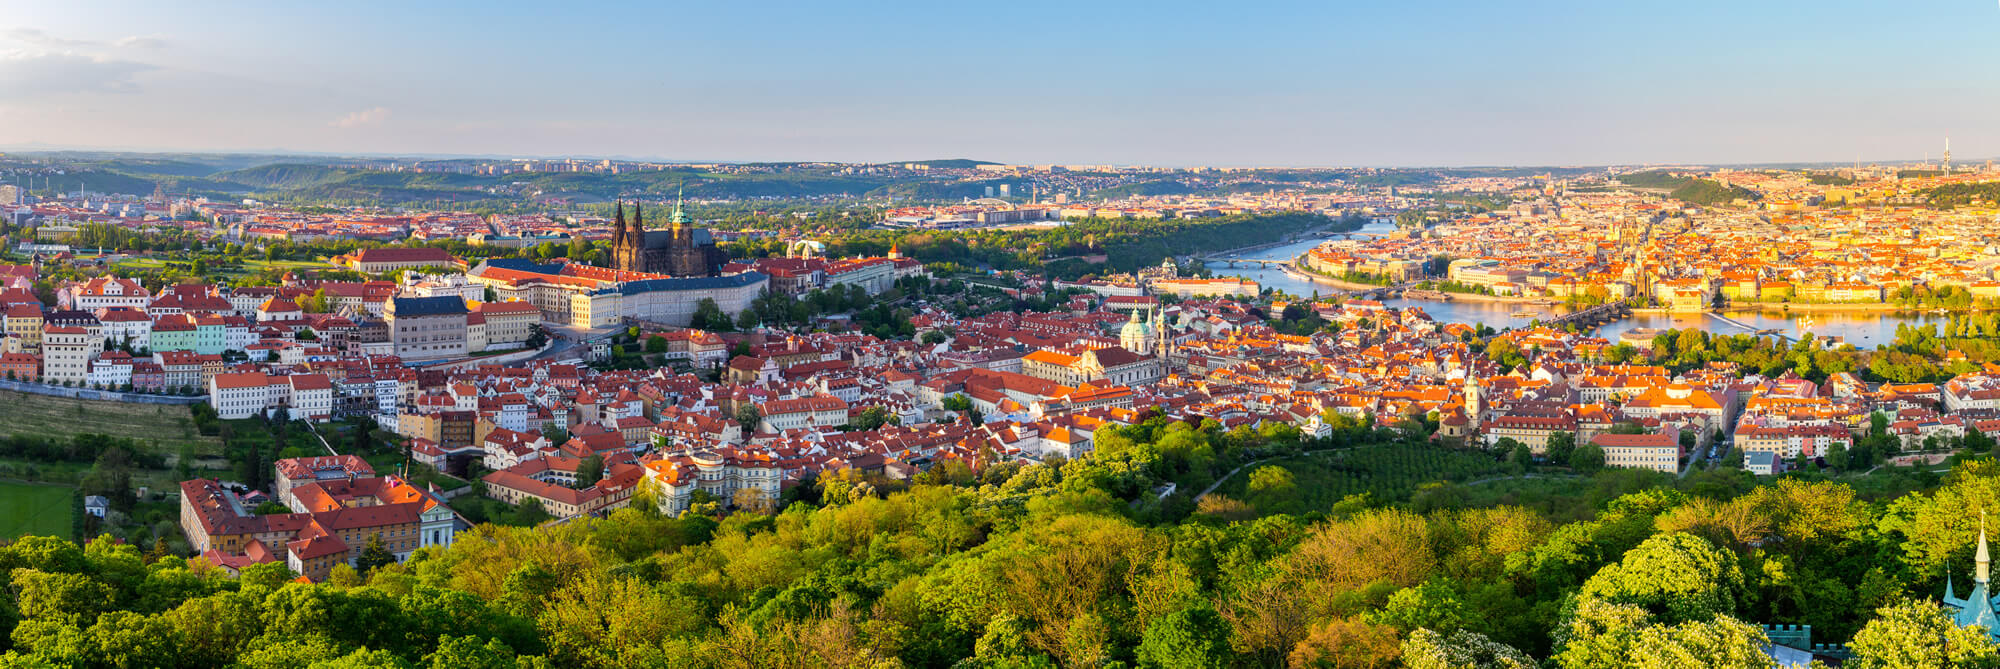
(1446,84)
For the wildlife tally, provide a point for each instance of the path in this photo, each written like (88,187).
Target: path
(322,440)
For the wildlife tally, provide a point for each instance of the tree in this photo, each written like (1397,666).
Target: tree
(530,513)
(1589,459)
(250,470)
(1434,606)
(1192,637)
(1425,649)
(555,433)
(65,599)
(1348,644)
(872,418)
(1676,577)
(1272,490)
(1521,458)
(1560,447)
(708,316)
(748,416)
(1919,635)
(589,470)
(1977,441)
(467,652)
(374,555)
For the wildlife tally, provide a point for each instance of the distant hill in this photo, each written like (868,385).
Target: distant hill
(305,182)
(1654,179)
(948,163)
(1146,188)
(285,175)
(1707,192)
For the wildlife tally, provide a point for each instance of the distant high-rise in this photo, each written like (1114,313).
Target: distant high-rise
(1947,156)
(989,191)
(1006,190)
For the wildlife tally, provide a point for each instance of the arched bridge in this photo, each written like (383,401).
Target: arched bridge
(1594,316)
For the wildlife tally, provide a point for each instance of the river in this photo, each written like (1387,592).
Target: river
(1864,330)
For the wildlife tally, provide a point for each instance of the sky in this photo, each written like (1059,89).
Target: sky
(1164,82)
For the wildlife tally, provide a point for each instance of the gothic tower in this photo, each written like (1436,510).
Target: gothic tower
(618,241)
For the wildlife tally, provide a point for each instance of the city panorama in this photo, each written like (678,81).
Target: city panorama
(1283,335)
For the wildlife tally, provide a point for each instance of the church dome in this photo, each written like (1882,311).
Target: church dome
(1136,336)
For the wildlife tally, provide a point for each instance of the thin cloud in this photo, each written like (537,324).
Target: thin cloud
(141,42)
(47,73)
(362,118)
(42,38)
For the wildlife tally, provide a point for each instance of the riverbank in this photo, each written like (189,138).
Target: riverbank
(1291,269)
(1843,308)
(1496,299)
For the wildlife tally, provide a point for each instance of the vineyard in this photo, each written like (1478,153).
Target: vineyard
(1385,473)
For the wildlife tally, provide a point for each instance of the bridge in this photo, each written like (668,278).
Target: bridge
(1232,262)
(1592,317)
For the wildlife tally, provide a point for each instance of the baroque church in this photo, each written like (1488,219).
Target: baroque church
(682,250)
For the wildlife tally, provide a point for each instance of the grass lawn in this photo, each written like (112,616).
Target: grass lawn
(34,509)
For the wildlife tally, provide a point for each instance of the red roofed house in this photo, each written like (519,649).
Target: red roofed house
(1658,452)
(375,261)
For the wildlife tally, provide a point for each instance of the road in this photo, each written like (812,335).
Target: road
(567,340)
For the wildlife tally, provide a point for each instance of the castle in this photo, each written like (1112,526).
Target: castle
(681,251)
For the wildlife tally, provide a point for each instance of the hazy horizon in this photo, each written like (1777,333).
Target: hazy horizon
(1435,84)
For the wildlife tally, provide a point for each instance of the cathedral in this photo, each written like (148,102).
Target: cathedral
(682,250)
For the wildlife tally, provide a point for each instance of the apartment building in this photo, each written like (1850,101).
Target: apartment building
(427,328)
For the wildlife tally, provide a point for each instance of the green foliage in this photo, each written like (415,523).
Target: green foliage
(1081,563)
(1709,192)
(1919,634)
(1191,638)
(1426,649)
(589,470)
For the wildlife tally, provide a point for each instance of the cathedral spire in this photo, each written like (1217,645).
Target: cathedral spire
(680,218)
(1984,565)
(618,229)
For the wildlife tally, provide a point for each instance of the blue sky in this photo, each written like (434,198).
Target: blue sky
(1413,82)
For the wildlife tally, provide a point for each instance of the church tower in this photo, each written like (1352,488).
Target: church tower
(682,238)
(1472,403)
(620,242)
(1977,607)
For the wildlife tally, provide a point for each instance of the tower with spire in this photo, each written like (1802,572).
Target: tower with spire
(1977,606)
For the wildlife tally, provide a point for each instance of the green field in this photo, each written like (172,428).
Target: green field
(44,415)
(1386,473)
(34,509)
(243,268)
